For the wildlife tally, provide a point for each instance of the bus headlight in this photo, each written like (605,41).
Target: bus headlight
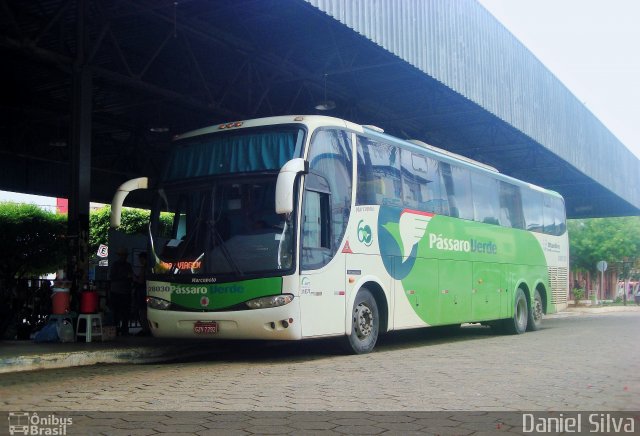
(273,301)
(158,303)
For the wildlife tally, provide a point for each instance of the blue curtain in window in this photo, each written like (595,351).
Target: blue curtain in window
(232,154)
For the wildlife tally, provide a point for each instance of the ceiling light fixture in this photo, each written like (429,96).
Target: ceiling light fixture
(326,105)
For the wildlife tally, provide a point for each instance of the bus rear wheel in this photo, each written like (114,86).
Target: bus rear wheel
(517,324)
(535,314)
(365,324)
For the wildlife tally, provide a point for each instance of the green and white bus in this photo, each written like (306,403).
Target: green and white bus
(298,227)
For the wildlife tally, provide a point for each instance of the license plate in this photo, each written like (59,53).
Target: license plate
(205,327)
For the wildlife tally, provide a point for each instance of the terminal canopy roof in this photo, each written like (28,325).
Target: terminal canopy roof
(443,72)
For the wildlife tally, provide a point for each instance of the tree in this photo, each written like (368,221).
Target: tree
(609,239)
(32,241)
(133,221)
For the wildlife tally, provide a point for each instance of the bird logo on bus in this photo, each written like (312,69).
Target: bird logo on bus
(365,235)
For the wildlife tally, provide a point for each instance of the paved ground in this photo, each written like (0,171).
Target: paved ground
(576,362)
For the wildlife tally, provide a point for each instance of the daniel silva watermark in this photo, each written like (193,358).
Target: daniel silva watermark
(579,422)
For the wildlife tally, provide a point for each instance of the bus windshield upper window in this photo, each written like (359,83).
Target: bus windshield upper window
(237,151)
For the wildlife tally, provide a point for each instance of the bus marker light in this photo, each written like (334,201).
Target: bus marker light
(290,320)
(352,280)
(347,248)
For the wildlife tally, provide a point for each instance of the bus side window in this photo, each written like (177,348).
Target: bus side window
(365,192)
(511,206)
(485,199)
(316,237)
(560,216)
(420,182)
(327,195)
(458,188)
(554,217)
(549,221)
(532,208)
(379,180)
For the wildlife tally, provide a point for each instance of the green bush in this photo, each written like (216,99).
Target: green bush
(32,240)
(133,221)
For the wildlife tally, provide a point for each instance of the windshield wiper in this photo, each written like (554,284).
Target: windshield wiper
(222,245)
(218,237)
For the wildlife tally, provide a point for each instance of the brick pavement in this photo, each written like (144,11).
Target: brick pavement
(573,363)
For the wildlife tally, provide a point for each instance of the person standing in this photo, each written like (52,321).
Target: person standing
(140,294)
(121,277)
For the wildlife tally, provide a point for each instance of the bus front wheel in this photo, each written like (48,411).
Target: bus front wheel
(365,324)
(517,324)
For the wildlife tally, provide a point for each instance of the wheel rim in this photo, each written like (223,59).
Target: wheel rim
(537,310)
(363,321)
(521,313)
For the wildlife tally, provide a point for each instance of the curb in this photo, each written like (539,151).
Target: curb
(605,309)
(130,355)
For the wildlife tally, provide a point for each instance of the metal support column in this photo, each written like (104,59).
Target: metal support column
(78,225)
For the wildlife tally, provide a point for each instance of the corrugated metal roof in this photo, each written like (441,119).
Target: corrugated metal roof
(460,44)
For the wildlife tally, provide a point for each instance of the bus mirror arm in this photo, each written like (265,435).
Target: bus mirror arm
(121,194)
(286,180)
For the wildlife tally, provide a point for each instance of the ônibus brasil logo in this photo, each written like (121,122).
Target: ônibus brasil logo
(365,235)
(28,423)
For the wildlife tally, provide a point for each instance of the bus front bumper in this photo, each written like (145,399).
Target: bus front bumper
(278,323)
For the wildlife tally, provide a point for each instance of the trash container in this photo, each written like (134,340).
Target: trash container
(89,301)
(60,301)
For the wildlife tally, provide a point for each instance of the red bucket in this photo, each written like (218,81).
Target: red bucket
(60,302)
(89,301)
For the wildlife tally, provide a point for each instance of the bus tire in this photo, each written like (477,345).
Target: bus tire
(365,324)
(535,313)
(517,324)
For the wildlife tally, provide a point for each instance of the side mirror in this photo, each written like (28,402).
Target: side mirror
(286,180)
(121,194)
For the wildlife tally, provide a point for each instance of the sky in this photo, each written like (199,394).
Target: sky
(592,46)
(47,203)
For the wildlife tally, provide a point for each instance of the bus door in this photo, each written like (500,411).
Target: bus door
(326,207)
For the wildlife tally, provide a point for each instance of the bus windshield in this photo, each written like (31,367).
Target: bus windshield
(215,212)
